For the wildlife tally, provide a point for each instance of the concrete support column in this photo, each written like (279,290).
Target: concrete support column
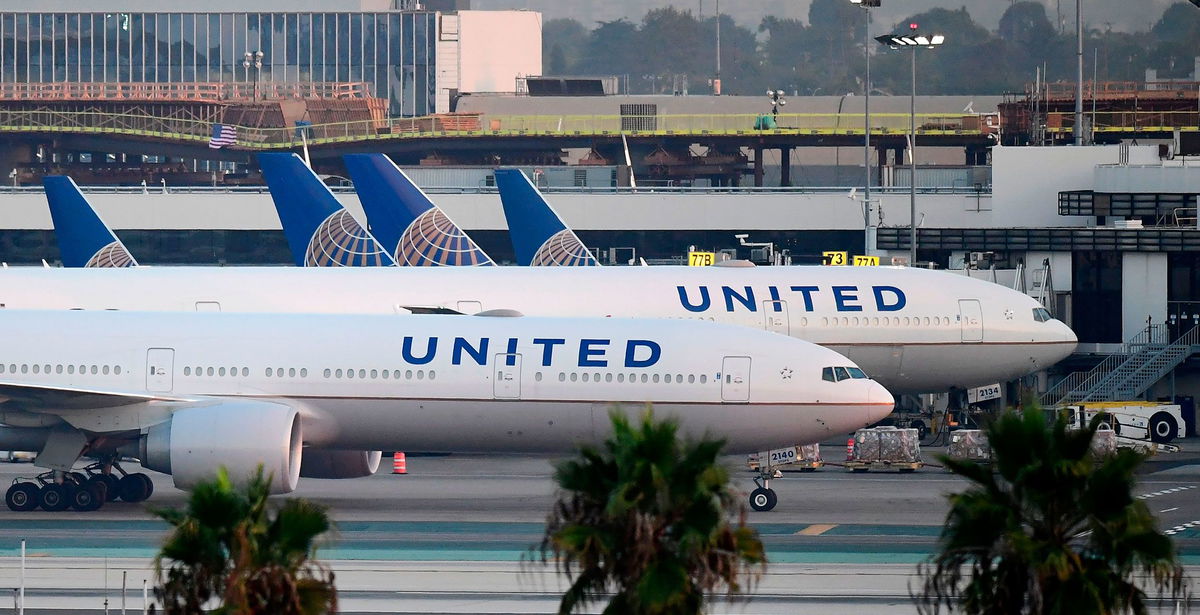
(1143,291)
(758,166)
(785,169)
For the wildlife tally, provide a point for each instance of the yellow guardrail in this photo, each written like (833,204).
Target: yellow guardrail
(1127,121)
(470,125)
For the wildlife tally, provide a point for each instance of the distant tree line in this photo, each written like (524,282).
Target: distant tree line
(671,50)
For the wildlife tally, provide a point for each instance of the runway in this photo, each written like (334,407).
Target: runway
(455,535)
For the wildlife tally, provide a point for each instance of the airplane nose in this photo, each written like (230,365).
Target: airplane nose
(881,402)
(1067,335)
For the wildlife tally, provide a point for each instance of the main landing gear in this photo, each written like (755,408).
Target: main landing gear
(763,497)
(84,491)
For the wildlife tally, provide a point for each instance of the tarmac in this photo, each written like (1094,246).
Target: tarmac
(457,535)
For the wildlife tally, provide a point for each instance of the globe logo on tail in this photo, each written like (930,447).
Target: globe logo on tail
(433,240)
(340,241)
(111,255)
(563,249)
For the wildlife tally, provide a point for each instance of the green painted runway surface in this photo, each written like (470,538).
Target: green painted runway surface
(482,541)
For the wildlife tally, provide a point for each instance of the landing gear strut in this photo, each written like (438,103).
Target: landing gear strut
(763,497)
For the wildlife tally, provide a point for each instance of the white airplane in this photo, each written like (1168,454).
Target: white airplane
(187,393)
(913,330)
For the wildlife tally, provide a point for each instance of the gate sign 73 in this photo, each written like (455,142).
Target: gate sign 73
(834,258)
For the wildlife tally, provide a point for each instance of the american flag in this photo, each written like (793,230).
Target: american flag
(222,135)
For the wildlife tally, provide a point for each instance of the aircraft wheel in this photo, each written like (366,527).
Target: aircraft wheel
(149,484)
(23,497)
(53,498)
(763,499)
(113,486)
(922,430)
(1163,428)
(135,487)
(89,497)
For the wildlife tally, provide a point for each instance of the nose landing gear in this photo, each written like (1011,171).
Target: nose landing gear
(763,498)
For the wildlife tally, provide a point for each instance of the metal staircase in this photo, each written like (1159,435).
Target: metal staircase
(1127,373)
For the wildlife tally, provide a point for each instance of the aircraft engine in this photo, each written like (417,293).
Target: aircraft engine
(236,435)
(319,463)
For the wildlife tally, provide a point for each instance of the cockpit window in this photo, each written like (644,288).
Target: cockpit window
(1041,314)
(837,374)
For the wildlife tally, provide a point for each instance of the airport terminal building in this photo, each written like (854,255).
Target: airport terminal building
(412,57)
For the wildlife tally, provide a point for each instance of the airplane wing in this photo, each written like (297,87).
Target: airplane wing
(47,398)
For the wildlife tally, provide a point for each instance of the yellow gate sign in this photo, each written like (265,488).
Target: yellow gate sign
(701,259)
(866,261)
(834,258)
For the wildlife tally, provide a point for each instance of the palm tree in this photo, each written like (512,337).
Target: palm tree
(1048,529)
(646,518)
(228,545)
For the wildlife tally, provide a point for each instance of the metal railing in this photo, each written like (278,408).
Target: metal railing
(472,125)
(1084,381)
(1127,373)
(192,91)
(1127,121)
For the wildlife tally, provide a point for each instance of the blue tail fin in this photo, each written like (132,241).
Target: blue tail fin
(84,240)
(405,221)
(320,232)
(539,236)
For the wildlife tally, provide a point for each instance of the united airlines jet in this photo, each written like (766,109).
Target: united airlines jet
(404,219)
(84,240)
(914,330)
(539,235)
(320,395)
(320,232)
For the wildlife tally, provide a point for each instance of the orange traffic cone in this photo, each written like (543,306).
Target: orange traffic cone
(850,449)
(398,464)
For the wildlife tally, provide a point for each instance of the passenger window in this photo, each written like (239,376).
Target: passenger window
(620,377)
(537,376)
(585,376)
(396,375)
(245,372)
(94,370)
(327,372)
(432,374)
(562,377)
(703,378)
(655,378)
(645,378)
(608,377)
(37,368)
(827,374)
(117,370)
(691,378)
(339,373)
(667,379)
(420,374)
(105,370)
(58,368)
(270,372)
(408,374)
(374,374)
(842,373)
(221,372)
(362,373)
(385,373)
(574,377)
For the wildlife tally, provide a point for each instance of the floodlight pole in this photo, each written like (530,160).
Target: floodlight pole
(868,232)
(1078,128)
(912,175)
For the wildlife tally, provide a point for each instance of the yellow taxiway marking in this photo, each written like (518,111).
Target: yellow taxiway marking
(816,529)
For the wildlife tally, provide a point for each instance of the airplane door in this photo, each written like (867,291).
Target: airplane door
(470,307)
(735,379)
(970,316)
(775,317)
(208,306)
(160,369)
(507,381)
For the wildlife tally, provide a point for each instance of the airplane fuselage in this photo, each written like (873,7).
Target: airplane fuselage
(913,330)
